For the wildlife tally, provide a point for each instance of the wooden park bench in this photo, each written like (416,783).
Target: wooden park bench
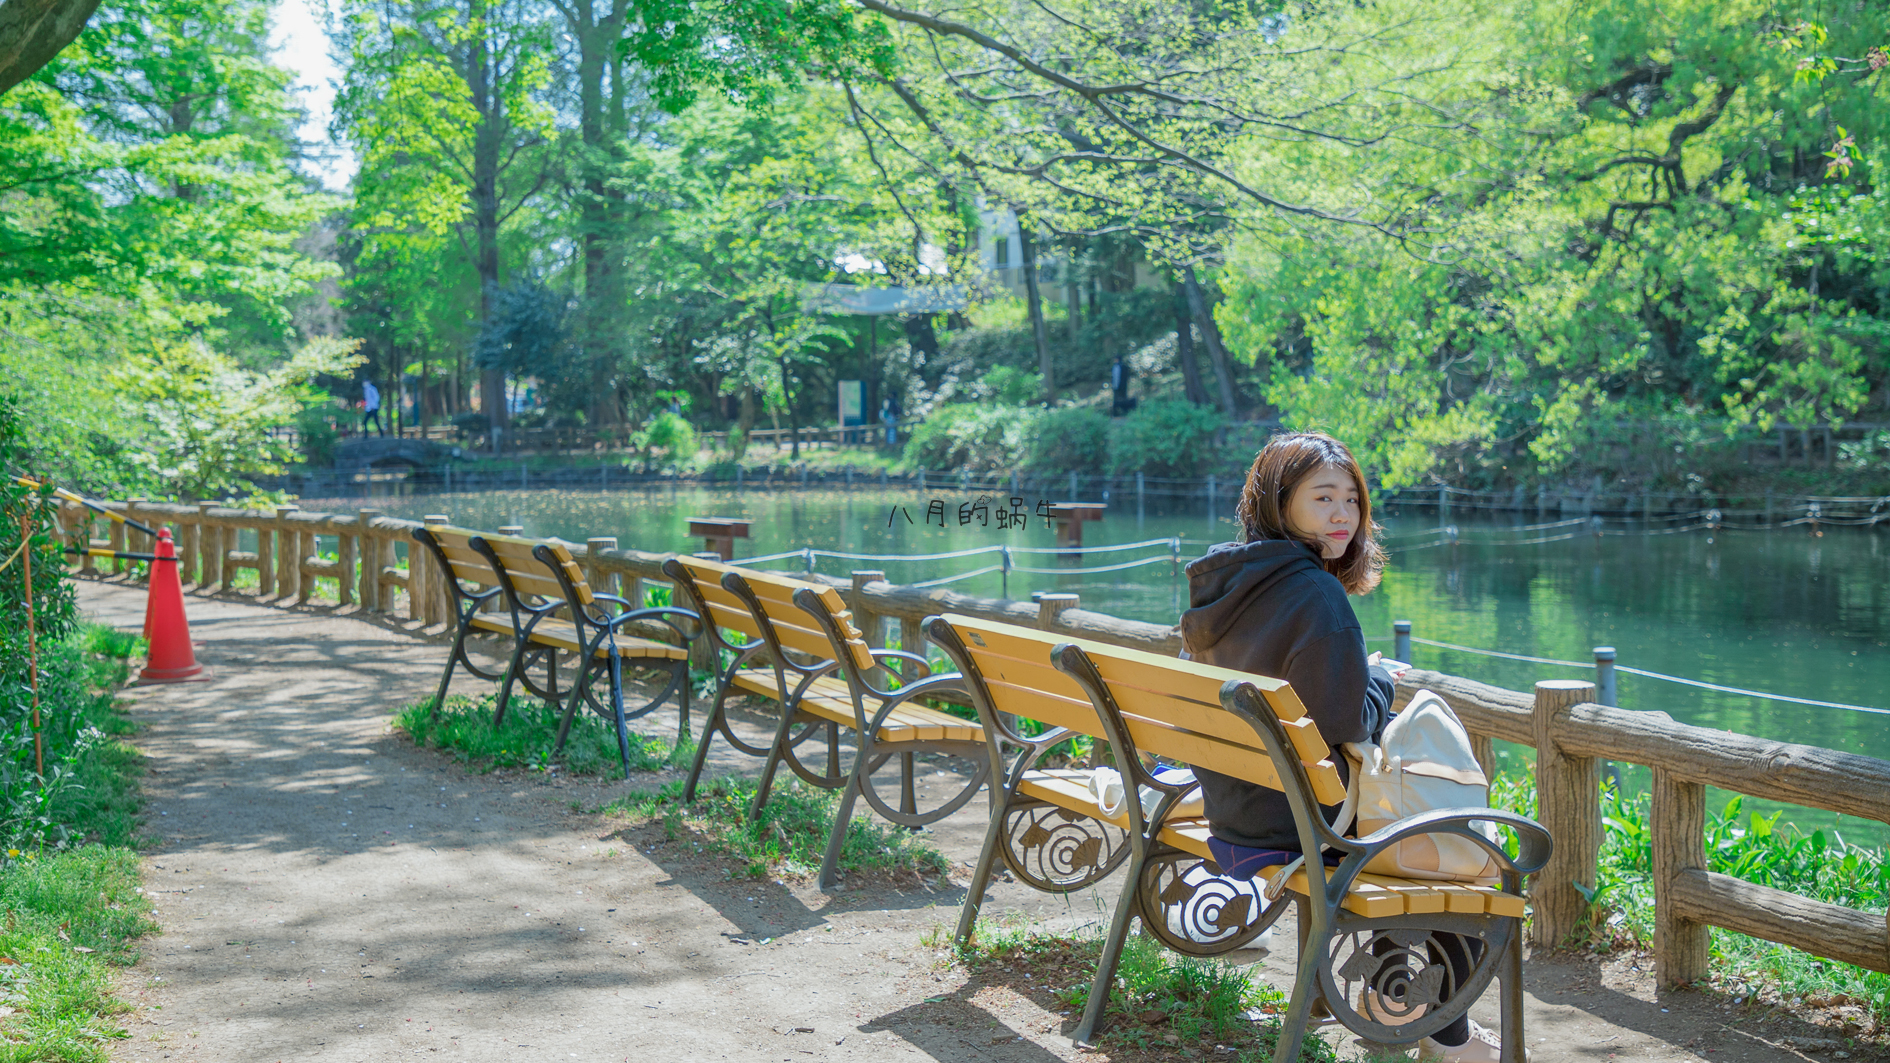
(795,644)
(1356,929)
(550,610)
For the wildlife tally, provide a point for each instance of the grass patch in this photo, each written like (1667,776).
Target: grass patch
(56,905)
(1160,999)
(1759,849)
(69,889)
(790,836)
(464,727)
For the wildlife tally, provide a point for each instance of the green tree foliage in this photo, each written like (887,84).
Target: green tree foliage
(146,207)
(205,419)
(1663,232)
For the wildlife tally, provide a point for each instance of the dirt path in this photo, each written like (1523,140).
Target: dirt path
(328,891)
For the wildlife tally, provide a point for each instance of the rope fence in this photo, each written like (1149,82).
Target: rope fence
(1604,663)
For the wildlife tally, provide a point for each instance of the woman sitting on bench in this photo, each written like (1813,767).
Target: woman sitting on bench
(1275,605)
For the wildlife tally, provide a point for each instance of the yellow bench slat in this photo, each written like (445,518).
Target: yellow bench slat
(564,637)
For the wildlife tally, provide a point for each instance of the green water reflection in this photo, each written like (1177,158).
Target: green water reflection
(1776,611)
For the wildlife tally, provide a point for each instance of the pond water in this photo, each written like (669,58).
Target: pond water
(1780,611)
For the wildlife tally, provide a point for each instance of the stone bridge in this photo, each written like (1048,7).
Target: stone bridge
(375,451)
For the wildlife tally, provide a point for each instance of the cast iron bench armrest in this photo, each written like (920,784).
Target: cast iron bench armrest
(1533,842)
(902,655)
(918,688)
(661,614)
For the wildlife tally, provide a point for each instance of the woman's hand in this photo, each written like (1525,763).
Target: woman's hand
(1396,668)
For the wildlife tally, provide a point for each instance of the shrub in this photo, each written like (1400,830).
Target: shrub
(1165,437)
(316,428)
(669,433)
(1071,439)
(979,438)
(1010,386)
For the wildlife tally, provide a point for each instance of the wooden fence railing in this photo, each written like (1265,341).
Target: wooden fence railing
(1570,734)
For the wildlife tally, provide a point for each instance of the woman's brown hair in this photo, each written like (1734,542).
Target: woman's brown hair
(1280,466)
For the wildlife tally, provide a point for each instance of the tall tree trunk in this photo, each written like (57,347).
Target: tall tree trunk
(1211,335)
(1071,297)
(747,419)
(600,213)
(1184,349)
(1027,249)
(488,139)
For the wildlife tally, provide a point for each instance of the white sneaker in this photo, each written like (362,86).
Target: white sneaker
(1482,1047)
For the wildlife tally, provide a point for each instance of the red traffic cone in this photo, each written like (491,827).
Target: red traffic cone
(170,658)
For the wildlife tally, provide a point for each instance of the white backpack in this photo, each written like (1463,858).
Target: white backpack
(1423,763)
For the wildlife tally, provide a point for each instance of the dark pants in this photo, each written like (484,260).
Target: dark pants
(375,416)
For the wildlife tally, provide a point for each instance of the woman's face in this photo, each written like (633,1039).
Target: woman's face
(1324,507)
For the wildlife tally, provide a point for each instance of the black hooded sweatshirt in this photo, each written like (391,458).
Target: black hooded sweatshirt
(1270,608)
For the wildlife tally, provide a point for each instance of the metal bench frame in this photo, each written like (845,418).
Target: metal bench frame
(1341,952)
(596,631)
(465,604)
(852,659)
(594,625)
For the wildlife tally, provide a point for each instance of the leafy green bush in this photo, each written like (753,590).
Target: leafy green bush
(1165,437)
(1008,385)
(315,425)
(669,433)
(525,740)
(980,438)
(1071,439)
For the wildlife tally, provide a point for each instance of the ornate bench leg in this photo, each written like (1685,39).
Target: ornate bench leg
(446,679)
(1514,1037)
(837,838)
(1110,957)
(981,876)
(511,676)
(1299,1010)
(718,720)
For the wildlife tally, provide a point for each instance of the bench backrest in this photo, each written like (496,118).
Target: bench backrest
(1170,708)
(786,623)
(465,566)
(527,565)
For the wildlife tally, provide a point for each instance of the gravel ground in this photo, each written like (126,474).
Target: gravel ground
(326,890)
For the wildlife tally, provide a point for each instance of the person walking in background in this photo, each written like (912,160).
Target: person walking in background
(889,416)
(1119,375)
(371,408)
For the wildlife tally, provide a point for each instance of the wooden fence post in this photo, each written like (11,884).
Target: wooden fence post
(344,567)
(136,540)
(288,565)
(1568,805)
(601,581)
(306,543)
(208,548)
(265,559)
(416,581)
(871,624)
(439,603)
(1050,609)
(229,537)
(370,554)
(1678,818)
(76,520)
(117,536)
